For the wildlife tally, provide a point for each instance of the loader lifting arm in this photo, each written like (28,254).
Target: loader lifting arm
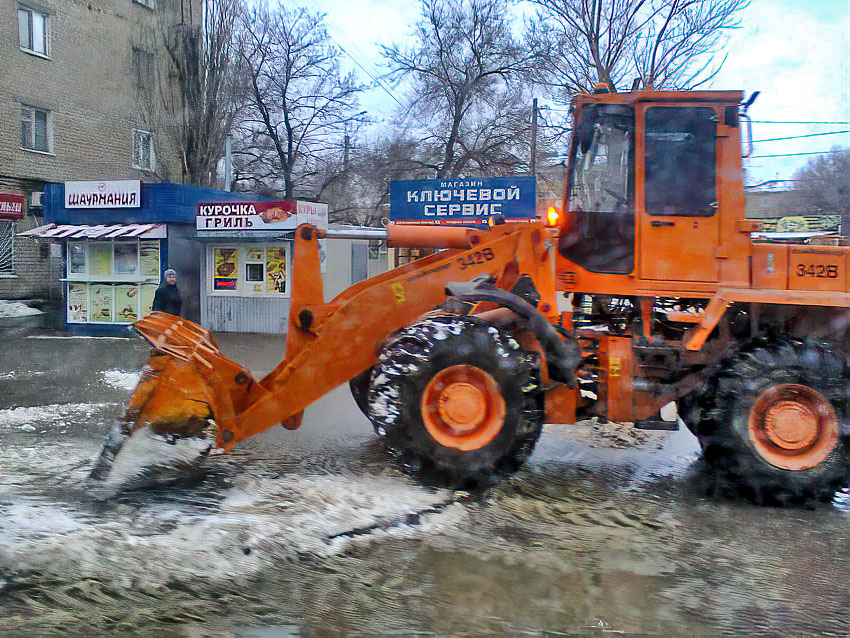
(191,384)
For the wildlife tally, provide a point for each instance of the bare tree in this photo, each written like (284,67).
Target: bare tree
(300,105)
(667,44)
(362,195)
(463,70)
(194,96)
(823,186)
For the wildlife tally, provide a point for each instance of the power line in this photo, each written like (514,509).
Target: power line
(378,82)
(796,137)
(779,122)
(794,154)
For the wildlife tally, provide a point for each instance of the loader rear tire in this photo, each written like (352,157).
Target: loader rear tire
(456,401)
(770,420)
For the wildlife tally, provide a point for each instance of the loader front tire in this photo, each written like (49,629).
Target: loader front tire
(359,386)
(456,401)
(770,420)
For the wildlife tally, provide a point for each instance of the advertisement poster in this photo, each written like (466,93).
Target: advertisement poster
(77,258)
(253,253)
(126,258)
(146,294)
(276,269)
(280,215)
(149,258)
(78,303)
(225,273)
(247,215)
(100,258)
(312,213)
(100,302)
(126,304)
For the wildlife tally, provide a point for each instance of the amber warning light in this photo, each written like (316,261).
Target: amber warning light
(552,216)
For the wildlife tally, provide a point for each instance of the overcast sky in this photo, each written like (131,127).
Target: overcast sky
(796,52)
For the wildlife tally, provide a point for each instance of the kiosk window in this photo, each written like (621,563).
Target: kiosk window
(126,258)
(77,257)
(679,161)
(253,272)
(248,270)
(225,265)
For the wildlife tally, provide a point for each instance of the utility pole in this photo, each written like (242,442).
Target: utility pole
(228,162)
(534,137)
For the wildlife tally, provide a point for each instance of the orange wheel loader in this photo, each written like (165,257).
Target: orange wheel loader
(650,288)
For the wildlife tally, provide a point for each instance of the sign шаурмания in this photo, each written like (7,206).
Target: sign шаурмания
(467,201)
(125,193)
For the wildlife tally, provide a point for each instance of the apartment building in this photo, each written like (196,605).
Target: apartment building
(80,82)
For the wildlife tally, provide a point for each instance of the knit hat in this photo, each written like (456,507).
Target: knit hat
(170,272)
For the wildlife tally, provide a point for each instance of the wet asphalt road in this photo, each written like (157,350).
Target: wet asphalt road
(314,533)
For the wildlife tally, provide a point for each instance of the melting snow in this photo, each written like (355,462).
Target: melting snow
(276,518)
(16,309)
(22,374)
(23,418)
(120,379)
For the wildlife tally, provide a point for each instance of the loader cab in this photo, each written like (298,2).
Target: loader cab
(644,193)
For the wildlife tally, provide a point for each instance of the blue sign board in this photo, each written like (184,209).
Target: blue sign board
(462,201)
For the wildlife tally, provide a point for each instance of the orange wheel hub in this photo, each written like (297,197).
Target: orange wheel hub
(793,427)
(463,407)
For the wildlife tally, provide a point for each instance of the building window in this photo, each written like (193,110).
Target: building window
(7,247)
(143,68)
(35,129)
(32,30)
(144,157)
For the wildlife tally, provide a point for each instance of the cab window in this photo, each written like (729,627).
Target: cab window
(600,233)
(679,161)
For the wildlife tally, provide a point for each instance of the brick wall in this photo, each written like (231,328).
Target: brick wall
(87,82)
(37,269)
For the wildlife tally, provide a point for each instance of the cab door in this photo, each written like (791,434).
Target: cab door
(679,227)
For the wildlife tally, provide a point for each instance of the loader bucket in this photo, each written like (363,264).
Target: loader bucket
(172,420)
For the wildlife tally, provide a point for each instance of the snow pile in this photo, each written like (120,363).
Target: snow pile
(16,309)
(121,380)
